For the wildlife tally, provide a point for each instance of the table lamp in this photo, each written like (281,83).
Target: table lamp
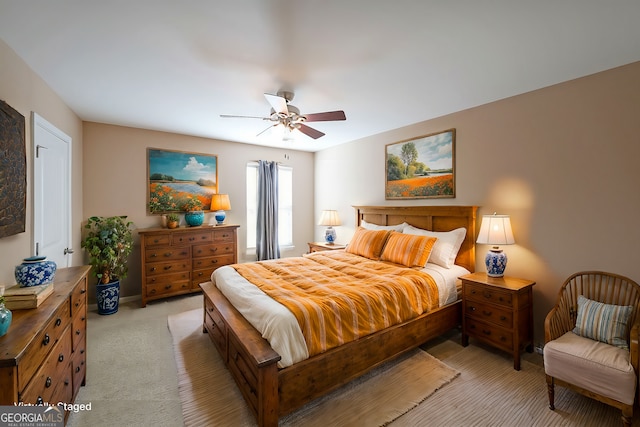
(220,203)
(329,218)
(495,230)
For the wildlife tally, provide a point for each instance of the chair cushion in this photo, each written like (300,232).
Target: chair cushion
(603,322)
(595,366)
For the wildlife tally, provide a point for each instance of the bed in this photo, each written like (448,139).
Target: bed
(271,391)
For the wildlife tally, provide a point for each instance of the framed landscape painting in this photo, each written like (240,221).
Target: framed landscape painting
(177,176)
(421,168)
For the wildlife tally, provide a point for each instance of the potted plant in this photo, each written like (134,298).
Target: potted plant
(172,220)
(108,242)
(194,215)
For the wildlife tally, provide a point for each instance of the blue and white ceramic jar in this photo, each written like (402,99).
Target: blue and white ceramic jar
(35,271)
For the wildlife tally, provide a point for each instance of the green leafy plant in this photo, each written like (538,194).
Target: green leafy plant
(172,217)
(108,242)
(192,204)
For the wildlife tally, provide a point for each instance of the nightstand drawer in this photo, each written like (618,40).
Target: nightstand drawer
(482,293)
(489,313)
(484,331)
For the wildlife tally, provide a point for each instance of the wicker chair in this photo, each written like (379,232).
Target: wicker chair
(568,357)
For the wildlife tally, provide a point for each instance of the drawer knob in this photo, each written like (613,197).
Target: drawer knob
(39,401)
(167,254)
(83,291)
(77,369)
(167,267)
(60,357)
(47,383)
(168,287)
(78,331)
(46,339)
(503,318)
(58,321)
(486,313)
(486,332)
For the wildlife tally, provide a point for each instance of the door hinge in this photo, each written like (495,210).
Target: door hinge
(38,147)
(37,248)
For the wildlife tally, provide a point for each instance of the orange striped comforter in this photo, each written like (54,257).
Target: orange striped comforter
(339,297)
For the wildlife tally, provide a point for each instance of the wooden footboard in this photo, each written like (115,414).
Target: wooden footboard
(270,392)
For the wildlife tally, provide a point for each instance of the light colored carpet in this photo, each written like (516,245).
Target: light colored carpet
(210,397)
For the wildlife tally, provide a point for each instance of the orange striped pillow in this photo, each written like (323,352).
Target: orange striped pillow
(367,243)
(408,249)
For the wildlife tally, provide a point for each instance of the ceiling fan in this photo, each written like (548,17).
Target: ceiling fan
(283,113)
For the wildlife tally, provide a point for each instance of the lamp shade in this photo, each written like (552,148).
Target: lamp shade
(329,218)
(496,230)
(220,202)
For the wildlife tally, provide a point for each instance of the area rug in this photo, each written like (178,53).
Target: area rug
(209,395)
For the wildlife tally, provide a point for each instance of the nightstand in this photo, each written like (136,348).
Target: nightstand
(499,312)
(322,246)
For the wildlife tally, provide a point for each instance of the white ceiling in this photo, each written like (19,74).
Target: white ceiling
(177,65)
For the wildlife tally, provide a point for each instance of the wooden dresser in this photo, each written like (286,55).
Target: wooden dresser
(43,355)
(498,311)
(175,261)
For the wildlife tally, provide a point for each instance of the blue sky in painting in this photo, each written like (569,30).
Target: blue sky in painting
(435,151)
(182,166)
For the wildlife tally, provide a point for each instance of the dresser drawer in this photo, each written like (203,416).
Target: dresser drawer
(215,261)
(224,236)
(45,340)
(79,365)
(200,251)
(170,287)
(190,238)
(79,327)
(167,253)
(476,292)
(53,371)
(79,298)
(165,279)
(484,331)
(154,269)
(201,276)
(157,239)
(489,313)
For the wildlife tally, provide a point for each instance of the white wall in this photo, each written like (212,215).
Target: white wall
(562,161)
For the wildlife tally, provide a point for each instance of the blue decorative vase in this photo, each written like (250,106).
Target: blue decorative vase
(194,218)
(496,262)
(35,271)
(5,319)
(108,297)
(330,235)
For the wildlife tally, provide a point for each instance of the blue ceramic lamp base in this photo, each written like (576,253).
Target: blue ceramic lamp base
(496,262)
(330,235)
(220,217)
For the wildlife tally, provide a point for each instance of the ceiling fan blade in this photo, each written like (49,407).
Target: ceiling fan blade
(278,103)
(328,116)
(229,116)
(313,133)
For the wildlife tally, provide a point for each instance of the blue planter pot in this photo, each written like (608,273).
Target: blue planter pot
(194,218)
(108,297)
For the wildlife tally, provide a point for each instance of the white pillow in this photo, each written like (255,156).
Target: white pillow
(369,226)
(446,248)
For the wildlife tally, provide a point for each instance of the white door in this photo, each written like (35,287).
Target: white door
(51,192)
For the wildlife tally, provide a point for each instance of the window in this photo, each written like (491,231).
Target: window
(285,205)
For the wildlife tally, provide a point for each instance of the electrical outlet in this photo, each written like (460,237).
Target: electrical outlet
(539,348)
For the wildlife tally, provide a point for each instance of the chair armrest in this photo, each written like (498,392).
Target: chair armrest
(556,324)
(633,351)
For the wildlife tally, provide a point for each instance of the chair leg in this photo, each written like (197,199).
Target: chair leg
(551,392)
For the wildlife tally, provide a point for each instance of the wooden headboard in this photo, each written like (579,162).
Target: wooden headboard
(434,218)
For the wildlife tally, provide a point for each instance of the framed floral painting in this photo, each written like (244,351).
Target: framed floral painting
(176,179)
(421,168)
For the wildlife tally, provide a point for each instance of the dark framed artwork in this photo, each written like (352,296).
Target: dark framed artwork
(13,172)
(176,176)
(422,167)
